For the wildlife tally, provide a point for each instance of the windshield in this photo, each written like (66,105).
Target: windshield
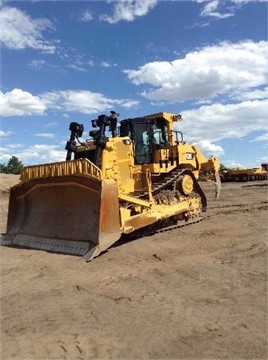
(159,130)
(142,143)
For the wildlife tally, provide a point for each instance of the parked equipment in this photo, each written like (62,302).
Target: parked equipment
(140,180)
(239,175)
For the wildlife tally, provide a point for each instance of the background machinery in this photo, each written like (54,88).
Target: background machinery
(240,175)
(139,180)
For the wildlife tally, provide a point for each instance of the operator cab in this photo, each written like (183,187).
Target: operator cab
(153,137)
(147,135)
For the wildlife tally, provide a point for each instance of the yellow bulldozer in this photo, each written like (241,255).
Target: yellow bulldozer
(138,180)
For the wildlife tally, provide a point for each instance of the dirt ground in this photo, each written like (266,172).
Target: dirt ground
(199,292)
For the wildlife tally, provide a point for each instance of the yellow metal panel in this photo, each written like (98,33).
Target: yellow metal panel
(118,162)
(159,212)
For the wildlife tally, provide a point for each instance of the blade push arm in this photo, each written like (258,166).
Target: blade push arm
(209,165)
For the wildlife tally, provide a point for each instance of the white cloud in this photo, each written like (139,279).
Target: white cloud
(45,135)
(217,121)
(86,16)
(19,31)
(79,63)
(4,158)
(248,1)
(38,64)
(82,101)
(50,125)
(34,154)
(129,10)
(77,67)
(263,137)
(90,62)
(19,102)
(5,133)
(252,95)
(220,9)
(107,64)
(203,74)
(210,10)
(72,61)
(207,146)
(233,164)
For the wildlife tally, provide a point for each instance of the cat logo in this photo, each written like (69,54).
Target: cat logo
(189,156)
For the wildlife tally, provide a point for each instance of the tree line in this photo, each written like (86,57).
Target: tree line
(13,166)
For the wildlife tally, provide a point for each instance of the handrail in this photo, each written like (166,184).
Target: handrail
(74,167)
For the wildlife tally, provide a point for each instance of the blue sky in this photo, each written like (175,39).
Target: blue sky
(64,61)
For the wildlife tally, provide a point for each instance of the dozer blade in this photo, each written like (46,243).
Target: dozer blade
(67,214)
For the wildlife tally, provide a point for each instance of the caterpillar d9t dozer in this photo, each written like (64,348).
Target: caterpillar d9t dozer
(139,180)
